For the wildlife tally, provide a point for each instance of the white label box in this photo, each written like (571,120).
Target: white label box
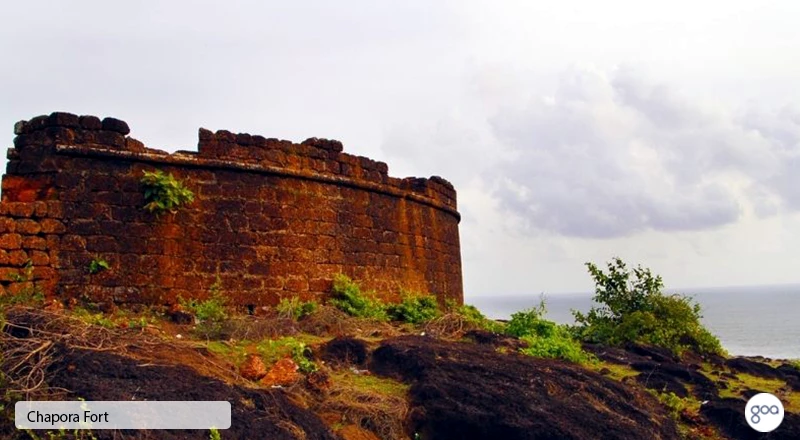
(122,414)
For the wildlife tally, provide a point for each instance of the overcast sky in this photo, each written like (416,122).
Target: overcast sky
(667,133)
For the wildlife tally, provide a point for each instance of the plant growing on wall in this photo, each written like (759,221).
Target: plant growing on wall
(98,265)
(164,193)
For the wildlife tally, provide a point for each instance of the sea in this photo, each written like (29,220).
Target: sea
(749,321)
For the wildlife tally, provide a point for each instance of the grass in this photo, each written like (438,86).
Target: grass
(617,372)
(791,400)
(370,384)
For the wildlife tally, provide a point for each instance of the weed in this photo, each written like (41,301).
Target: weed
(301,356)
(414,309)
(674,404)
(29,294)
(163,193)
(274,350)
(473,317)
(296,309)
(210,313)
(98,265)
(213,434)
(349,299)
(93,318)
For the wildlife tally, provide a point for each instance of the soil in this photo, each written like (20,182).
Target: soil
(470,391)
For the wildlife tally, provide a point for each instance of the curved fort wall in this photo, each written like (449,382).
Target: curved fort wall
(270,218)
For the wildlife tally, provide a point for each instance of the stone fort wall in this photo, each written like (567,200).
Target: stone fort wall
(270,218)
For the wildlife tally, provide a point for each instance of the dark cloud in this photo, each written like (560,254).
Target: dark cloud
(611,156)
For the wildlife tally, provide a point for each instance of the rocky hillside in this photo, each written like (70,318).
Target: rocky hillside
(327,375)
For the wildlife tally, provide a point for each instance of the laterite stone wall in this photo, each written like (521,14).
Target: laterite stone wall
(271,218)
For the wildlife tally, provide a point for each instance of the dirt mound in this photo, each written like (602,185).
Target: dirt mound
(344,351)
(469,391)
(104,376)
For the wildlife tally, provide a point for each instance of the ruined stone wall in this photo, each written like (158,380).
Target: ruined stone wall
(270,218)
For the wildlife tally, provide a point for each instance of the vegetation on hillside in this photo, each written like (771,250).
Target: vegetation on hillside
(633,308)
(630,307)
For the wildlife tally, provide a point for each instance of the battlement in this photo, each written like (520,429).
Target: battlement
(66,132)
(270,218)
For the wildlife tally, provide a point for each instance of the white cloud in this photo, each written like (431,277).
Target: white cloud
(611,155)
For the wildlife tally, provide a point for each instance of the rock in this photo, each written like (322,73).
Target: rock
(728,415)
(744,365)
(673,377)
(90,122)
(21,127)
(253,368)
(495,339)
(104,376)
(469,391)
(283,373)
(116,125)
(61,119)
(325,144)
(180,316)
(344,351)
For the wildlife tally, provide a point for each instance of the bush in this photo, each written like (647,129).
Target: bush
(296,309)
(414,309)
(545,338)
(347,297)
(558,345)
(526,322)
(471,315)
(163,193)
(632,308)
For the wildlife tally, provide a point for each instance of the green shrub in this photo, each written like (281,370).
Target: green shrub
(211,312)
(301,355)
(559,344)
(163,193)
(545,338)
(472,316)
(632,308)
(526,322)
(347,297)
(414,309)
(296,309)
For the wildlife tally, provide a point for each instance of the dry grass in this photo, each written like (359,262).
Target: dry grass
(450,325)
(375,404)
